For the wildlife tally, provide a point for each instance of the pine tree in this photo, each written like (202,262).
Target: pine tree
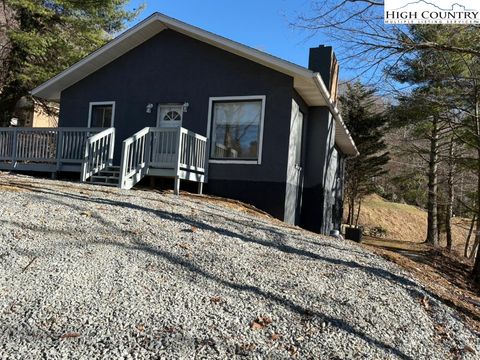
(40,38)
(365,123)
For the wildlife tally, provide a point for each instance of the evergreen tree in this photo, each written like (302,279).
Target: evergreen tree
(40,38)
(365,122)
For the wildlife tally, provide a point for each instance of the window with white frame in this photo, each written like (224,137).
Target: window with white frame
(236,128)
(101,114)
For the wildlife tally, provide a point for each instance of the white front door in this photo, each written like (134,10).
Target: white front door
(170,116)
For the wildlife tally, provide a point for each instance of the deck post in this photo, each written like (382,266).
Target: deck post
(14,148)
(177,185)
(200,188)
(59,149)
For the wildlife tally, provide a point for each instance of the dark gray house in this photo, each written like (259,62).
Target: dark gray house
(168,99)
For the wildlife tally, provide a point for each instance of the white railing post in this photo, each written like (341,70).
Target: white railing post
(14,148)
(148,148)
(177,162)
(86,161)
(112,148)
(59,148)
(123,165)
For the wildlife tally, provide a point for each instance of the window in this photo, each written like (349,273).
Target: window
(101,114)
(236,129)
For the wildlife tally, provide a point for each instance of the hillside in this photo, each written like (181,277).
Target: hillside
(91,272)
(405,222)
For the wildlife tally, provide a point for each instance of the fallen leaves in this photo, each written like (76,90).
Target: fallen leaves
(275,337)
(426,304)
(70,335)
(260,323)
(140,327)
(470,349)
(216,300)
(86,213)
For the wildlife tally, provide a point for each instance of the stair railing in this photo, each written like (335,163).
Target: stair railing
(98,155)
(135,158)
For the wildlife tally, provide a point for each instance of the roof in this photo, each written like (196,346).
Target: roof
(308,84)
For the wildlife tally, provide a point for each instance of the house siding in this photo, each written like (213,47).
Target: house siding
(321,163)
(173,68)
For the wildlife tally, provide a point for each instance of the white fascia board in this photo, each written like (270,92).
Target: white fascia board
(349,148)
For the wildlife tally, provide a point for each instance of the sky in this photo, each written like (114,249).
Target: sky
(262,24)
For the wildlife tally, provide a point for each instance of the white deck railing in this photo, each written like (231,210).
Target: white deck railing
(176,149)
(98,153)
(135,156)
(47,147)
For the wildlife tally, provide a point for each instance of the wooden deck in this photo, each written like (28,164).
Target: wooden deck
(176,153)
(43,149)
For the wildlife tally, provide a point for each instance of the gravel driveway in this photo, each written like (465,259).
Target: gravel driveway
(90,272)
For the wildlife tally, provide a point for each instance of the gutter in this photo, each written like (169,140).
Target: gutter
(317,79)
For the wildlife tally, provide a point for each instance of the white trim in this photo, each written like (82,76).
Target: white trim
(211,100)
(95,103)
(345,140)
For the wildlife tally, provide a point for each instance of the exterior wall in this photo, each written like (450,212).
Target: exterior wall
(320,171)
(173,68)
(42,119)
(339,191)
(294,190)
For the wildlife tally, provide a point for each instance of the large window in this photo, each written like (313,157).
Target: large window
(101,114)
(236,129)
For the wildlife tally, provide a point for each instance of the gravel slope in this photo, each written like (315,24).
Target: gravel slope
(91,272)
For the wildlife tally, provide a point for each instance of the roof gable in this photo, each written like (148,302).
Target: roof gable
(307,83)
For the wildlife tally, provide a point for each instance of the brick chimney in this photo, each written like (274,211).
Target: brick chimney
(322,60)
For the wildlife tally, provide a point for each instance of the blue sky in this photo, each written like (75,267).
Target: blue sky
(262,24)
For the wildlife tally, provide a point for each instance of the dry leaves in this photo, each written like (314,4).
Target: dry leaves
(425,303)
(86,213)
(215,299)
(470,349)
(70,335)
(140,327)
(275,337)
(260,322)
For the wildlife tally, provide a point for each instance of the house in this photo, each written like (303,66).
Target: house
(30,113)
(169,99)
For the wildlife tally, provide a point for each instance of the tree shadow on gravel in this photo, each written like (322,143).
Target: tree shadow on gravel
(410,286)
(279,246)
(255,290)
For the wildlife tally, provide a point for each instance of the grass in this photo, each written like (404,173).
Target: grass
(406,222)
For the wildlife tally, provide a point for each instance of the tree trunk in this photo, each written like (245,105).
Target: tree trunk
(432,227)
(476,266)
(358,212)
(451,196)
(467,243)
